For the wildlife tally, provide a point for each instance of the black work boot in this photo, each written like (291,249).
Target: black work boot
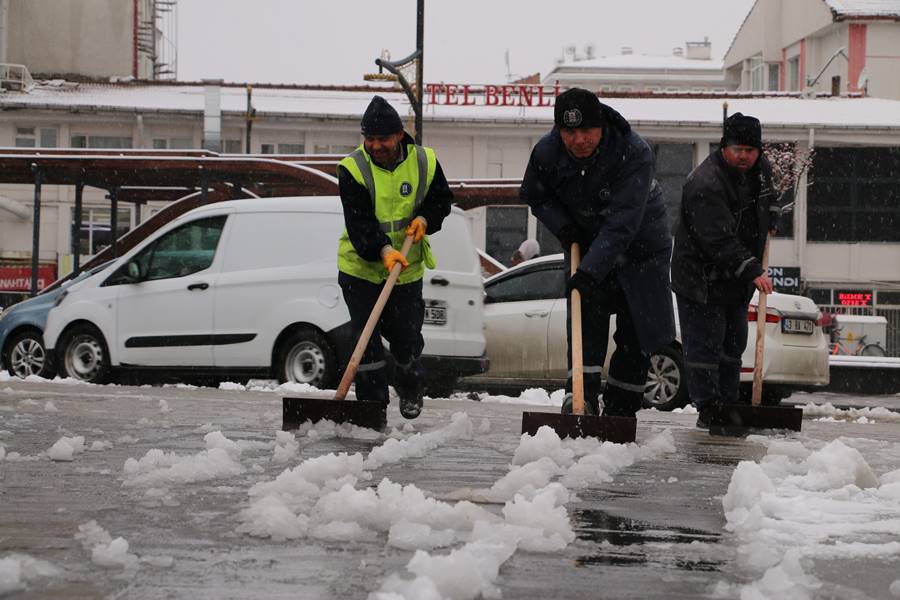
(703,415)
(410,404)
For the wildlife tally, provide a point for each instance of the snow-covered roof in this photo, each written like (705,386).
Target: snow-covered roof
(865,8)
(338,104)
(648,62)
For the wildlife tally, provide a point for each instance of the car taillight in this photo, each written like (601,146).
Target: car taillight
(772,315)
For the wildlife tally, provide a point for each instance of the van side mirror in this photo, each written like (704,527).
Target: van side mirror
(134,270)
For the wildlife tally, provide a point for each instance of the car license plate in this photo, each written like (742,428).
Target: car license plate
(435,312)
(800,326)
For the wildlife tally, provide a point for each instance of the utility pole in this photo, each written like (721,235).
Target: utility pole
(251,114)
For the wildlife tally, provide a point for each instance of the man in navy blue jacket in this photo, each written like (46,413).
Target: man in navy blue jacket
(590,182)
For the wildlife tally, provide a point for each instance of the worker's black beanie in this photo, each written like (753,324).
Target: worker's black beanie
(742,130)
(380,118)
(576,108)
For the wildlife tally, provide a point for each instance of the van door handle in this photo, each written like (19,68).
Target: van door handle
(438,280)
(537,313)
(198,286)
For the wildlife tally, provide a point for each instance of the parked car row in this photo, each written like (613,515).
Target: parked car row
(246,287)
(525,316)
(250,287)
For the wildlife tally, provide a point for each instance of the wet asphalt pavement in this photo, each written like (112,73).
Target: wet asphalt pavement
(636,535)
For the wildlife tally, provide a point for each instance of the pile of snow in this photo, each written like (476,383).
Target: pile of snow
(18,569)
(532,396)
(827,412)
(159,468)
(113,553)
(66,447)
(797,505)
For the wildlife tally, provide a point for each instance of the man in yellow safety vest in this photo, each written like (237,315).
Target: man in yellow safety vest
(390,188)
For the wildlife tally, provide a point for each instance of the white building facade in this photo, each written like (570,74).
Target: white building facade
(824,46)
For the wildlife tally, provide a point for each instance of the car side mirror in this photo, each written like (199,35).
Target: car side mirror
(134,270)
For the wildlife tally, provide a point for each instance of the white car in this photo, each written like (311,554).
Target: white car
(250,286)
(525,316)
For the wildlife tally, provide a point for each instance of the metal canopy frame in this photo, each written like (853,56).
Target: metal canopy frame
(187,179)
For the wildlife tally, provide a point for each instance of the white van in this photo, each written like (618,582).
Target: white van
(250,287)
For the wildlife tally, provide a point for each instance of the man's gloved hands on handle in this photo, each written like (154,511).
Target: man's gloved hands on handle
(580,281)
(571,234)
(391,256)
(417,229)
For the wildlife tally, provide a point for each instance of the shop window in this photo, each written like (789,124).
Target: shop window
(507,227)
(95,233)
(854,195)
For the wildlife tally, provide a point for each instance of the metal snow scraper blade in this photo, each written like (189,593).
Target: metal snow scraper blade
(614,429)
(320,405)
(740,419)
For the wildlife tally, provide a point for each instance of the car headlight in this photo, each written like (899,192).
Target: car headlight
(60,298)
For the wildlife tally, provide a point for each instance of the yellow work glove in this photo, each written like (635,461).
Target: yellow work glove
(392,257)
(416,229)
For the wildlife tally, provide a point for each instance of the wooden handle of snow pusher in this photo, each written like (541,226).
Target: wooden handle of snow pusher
(353,364)
(756,397)
(577,358)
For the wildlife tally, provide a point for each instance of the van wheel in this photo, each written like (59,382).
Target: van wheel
(84,355)
(25,355)
(666,384)
(305,356)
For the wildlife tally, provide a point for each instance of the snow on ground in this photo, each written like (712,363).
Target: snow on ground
(799,505)
(16,570)
(827,412)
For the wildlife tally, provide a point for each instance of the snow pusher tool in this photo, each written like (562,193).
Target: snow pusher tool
(739,419)
(317,406)
(620,430)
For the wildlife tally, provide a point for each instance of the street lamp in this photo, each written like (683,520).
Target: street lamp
(394,67)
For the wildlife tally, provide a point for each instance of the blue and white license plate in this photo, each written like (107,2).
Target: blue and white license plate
(799,326)
(435,312)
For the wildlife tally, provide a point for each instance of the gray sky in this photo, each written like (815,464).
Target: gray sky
(327,41)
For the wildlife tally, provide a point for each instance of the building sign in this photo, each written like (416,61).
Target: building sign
(785,279)
(853,297)
(17,278)
(513,94)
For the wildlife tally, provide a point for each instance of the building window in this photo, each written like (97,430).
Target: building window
(507,227)
(100,141)
(757,74)
(267,149)
(33,137)
(231,146)
(494,163)
(854,195)
(291,148)
(333,149)
(793,72)
(173,144)
(673,164)
(774,72)
(95,235)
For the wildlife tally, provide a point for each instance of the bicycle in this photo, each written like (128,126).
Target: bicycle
(851,346)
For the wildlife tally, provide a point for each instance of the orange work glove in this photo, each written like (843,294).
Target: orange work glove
(416,229)
(392,257)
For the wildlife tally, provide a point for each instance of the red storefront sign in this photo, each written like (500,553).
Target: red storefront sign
(17,278)
(513,94)
(853,298)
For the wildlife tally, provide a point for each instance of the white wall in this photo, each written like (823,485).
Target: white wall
(883,59)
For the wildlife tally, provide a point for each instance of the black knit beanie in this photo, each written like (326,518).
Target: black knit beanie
(380,118)
(742,130)
(577,108)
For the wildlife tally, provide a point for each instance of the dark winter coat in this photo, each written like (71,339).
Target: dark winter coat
(725,218)
(617,206)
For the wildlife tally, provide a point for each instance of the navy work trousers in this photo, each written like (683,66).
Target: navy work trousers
(400,324)
(714,337)
(628,366)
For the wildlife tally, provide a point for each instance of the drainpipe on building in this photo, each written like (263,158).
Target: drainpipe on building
(212,114)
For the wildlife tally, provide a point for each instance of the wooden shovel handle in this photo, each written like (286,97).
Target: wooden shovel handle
(353,365)
(577,358)
(756,397)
